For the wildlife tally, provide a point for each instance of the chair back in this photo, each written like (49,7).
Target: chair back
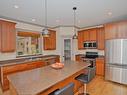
(91,73)
(67,90)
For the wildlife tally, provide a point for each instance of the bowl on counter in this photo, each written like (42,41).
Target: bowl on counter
(57,65)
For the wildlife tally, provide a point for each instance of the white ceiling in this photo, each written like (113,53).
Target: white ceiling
(88,13)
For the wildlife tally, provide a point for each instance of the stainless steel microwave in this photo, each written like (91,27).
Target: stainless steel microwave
(90,45)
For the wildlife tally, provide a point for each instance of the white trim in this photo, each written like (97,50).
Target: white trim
(62,48)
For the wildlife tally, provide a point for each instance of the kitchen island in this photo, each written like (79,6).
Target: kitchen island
(42,81)
(8,67)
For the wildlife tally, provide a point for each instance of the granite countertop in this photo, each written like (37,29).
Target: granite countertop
(34,81)
(26,59)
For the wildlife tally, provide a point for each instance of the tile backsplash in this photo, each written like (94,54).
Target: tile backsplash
(100,52)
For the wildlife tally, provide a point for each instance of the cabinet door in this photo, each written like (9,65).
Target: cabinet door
(50,42)
(100,66)
(93,34)
(8,37)
(53,40)
(100,38)
(12,37)
(46,43)
(122,29)
(80,39)
(77,58)
(0,36)
(124,77)
(86,35)
(111,31)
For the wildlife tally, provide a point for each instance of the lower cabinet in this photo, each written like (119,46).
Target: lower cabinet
(77,58)
(100,66)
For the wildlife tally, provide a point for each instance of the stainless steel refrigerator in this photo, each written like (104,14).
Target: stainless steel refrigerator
(116,60)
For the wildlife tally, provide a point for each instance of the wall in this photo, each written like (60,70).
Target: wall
(65,32)
(19,25)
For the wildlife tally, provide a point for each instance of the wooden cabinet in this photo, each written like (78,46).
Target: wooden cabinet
(50,42)
(80,39)
(100,66)
(0,36)
(122,29)
(116,30)
(86,35)
(28,34)
(100,38)
(77,58)
(57,59)
(111,31)
(93,34)
(7,36)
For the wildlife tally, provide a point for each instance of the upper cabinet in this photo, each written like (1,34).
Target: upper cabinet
(28,34)
(80,39)
(111,31)
(0,37)
(93,34)
(122,29)
(100,38)
(7,36)
(116,30)
(50,42)
(86,35)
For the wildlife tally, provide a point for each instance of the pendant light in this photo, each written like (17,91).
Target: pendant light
(75,36)
(45,32)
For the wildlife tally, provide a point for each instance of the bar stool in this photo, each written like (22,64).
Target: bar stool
(86,78)
(67,90)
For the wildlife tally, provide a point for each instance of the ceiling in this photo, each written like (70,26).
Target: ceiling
(88,13)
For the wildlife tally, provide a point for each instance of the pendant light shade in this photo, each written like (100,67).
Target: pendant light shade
(45,31)
(75,36)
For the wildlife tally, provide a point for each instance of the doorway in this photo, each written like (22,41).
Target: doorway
(67,49)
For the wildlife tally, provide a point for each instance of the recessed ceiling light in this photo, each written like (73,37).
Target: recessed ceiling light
(16,6)
(33,20)
(109,13)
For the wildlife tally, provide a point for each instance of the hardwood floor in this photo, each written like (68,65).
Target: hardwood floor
(99,86)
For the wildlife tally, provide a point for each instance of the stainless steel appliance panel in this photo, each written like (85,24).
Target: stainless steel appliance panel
(124,51)
(113,74)
(116,60)
(124,76)
(116,51)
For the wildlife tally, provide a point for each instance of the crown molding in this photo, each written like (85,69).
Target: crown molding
(80,28)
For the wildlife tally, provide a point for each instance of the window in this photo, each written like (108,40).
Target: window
(28,44)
